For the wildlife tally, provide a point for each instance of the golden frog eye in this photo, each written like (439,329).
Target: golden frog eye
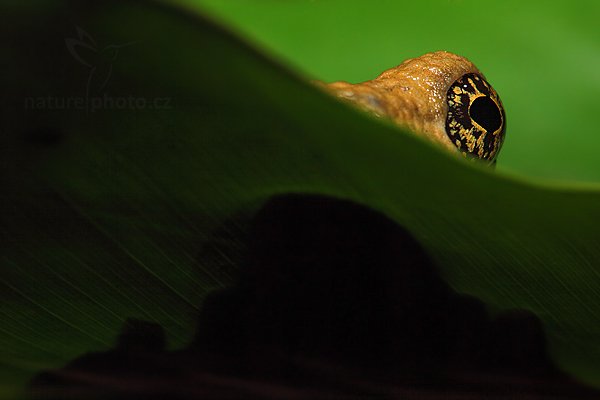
(476,121)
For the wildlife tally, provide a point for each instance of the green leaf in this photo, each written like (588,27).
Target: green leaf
(118,199)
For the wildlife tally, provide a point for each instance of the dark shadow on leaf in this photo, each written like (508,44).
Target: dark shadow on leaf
(332,299)
(43,137)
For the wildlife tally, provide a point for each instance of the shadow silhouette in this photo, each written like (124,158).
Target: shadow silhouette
(333,299)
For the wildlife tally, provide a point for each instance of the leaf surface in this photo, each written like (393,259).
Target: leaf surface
(129,202)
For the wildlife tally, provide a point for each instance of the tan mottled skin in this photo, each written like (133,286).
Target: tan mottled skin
(412,94)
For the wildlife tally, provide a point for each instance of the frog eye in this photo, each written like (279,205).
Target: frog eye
(476,121)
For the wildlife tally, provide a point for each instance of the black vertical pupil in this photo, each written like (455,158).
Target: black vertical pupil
(485,112)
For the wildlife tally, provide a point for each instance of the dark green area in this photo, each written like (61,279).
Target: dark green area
(106,212)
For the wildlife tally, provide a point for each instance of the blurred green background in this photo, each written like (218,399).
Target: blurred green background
(542,57)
